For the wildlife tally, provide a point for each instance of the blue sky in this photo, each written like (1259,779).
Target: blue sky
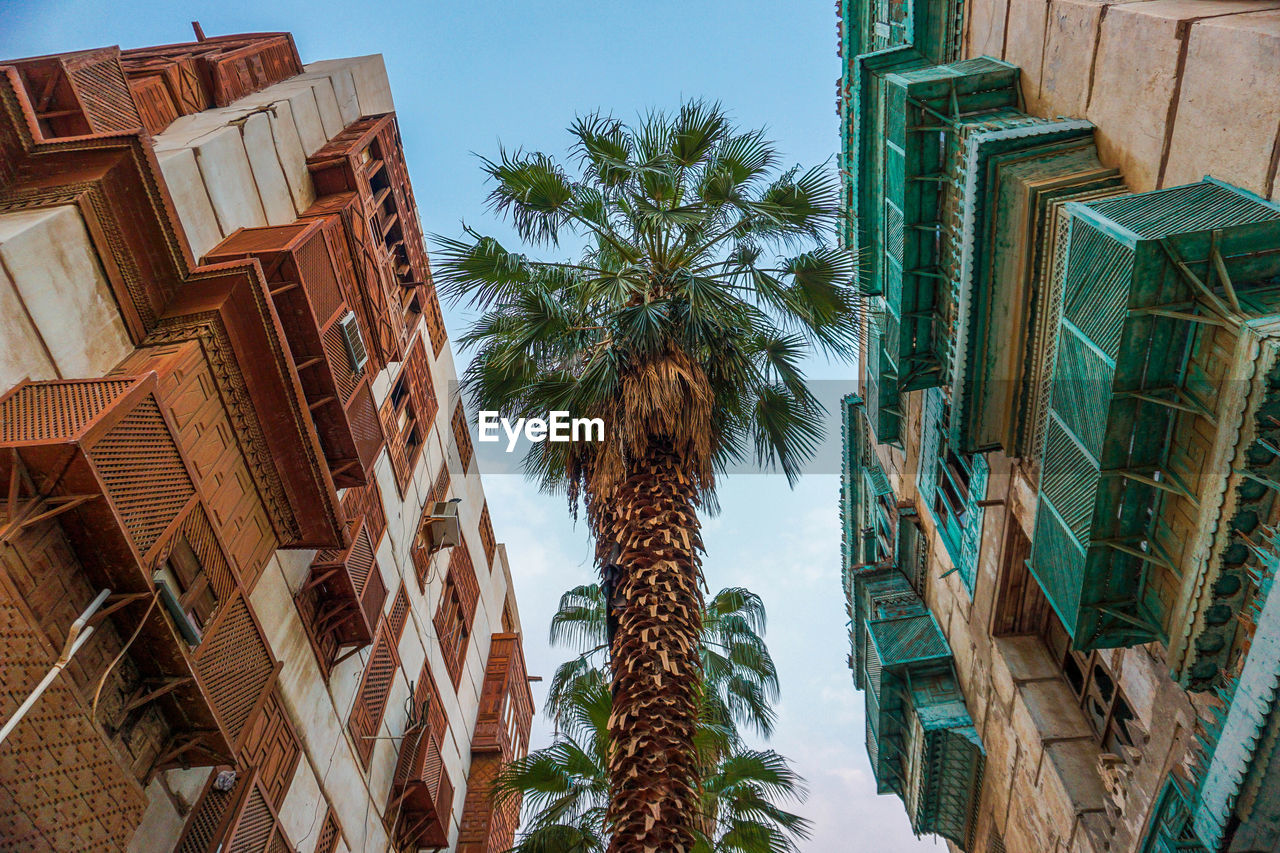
(466,75)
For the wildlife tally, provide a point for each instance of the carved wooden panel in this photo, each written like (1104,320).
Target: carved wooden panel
(486,826)
(366,501)
(271,747)
(210,441)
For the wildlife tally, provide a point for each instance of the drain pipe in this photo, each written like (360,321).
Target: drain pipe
(76,638)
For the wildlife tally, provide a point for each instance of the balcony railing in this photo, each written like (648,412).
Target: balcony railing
(310,284)
(421,792)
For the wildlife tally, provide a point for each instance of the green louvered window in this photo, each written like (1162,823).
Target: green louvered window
(952,486)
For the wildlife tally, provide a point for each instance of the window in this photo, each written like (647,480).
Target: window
(1022,609)
(186,579)
(456,611)
(952,486)
(408,412)
(1093,685)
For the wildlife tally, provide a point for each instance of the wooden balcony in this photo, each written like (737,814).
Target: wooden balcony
(241,818)
(99,457)
(79,94)
(180,79)
(377,296)
(920,738)
(306,265)
(367,159)
(506,703)
(348,591)
(421,792)
(1160,381)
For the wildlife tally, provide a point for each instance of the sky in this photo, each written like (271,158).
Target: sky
(468,75)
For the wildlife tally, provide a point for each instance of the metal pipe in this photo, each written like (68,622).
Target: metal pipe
(79,634)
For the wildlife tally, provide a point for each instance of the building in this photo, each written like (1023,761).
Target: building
(230,450)
(1061,462)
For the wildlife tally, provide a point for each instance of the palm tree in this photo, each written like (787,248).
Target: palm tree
(683,329)
(740,681)
(565,786)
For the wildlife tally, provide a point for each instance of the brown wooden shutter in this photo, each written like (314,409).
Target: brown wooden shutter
(453,623)
(427,694)
(486,535)
(464,575)
(440,488)
(399,615)
(420,385)
(435,320)
(461,437)
(235,666)
(367,501)
(375,687)
(272,748)
(330,833)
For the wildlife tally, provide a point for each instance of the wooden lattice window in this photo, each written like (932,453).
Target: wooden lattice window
(435,320)
(375,687)
(398,617)
(330,833)
(440,487)
(486,535)
(508,622)
(427,703)
(409,411)
(456,612)
(384,660)
(461,436)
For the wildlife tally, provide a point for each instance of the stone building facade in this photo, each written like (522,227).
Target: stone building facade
(1059,499)
(232,456)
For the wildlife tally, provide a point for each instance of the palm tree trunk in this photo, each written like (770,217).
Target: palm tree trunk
(653,765)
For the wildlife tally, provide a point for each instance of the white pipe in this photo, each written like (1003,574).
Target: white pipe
(76,638)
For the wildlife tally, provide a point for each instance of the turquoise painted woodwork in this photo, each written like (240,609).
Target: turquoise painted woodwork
(1150,278)
(1018,172)
(1230,799)
(953,492)
(876,38)
(920,738)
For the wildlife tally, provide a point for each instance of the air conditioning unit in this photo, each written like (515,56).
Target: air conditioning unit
(440,528)
(355,343)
